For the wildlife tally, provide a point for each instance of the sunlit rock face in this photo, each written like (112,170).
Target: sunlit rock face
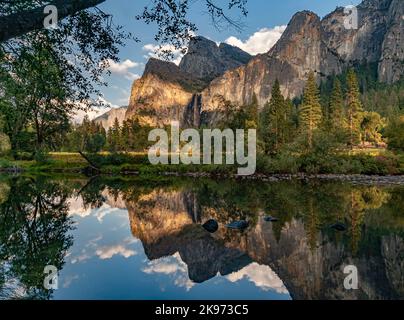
(167,92)
(158,214)
(164,222)
(156,101)
(209,75)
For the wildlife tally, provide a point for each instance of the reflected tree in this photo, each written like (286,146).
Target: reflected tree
(34,233)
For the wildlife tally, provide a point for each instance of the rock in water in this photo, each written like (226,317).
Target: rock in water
(238,225)
(338,226)
(271,219)
(211,226)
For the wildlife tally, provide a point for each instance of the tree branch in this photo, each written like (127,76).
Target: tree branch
(20,23)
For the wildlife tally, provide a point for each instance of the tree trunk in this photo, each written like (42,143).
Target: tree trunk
(20,23)
(92,164)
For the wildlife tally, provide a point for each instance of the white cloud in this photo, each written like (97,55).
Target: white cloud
(108,252)
(260,42)
(122,68)
(93,113)
(153,52)
(262,276)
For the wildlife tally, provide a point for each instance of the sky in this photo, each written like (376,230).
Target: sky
(264,25)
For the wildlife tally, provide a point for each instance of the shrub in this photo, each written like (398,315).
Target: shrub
(41,156)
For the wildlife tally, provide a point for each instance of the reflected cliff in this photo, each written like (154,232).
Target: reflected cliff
(299,256)
(300,248)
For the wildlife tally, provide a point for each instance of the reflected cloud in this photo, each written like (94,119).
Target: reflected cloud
(69,280)
(262,276)
(173,266)
(93,248)
(105,210)
(77,208)
(108,252)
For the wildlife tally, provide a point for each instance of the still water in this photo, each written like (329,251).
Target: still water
(114,238)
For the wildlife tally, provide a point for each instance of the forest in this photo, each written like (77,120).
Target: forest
(350,123)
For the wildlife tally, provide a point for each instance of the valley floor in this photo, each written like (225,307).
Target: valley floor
(365,166)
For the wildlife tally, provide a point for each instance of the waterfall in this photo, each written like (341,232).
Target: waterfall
(192,116)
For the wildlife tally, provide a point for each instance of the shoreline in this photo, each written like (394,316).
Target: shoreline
(364,179)
(353,178)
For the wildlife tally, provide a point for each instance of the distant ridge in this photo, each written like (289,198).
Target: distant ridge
(107,119)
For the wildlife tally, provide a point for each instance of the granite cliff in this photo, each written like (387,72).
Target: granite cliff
(210,74)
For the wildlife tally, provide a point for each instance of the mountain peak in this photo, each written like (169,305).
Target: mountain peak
(200,43)
(160,67)
(207,60)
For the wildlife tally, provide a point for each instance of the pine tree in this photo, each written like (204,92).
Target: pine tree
(85,133)
(354,108)
(126,136)
(310,114)
(336,115)
(276,121)
(114,137)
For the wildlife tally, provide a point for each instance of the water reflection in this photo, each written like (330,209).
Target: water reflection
(145,239)
(34,227)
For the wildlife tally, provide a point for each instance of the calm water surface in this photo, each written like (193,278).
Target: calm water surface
(143,239)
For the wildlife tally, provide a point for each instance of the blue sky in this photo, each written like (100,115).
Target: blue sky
(263,14)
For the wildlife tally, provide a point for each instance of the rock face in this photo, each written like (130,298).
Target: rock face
(156,101)
(299,51)
(167,92)
(108,118)
(206,60)
(391,66)
(210,75)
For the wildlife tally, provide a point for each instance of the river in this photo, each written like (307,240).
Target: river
(138,238)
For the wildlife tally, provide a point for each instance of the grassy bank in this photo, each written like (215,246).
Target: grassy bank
(369,162)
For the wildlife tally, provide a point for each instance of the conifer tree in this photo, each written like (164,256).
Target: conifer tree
(336,108)
(310,113)
(126,136)
(276,122)
(114,137)
(354,108)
